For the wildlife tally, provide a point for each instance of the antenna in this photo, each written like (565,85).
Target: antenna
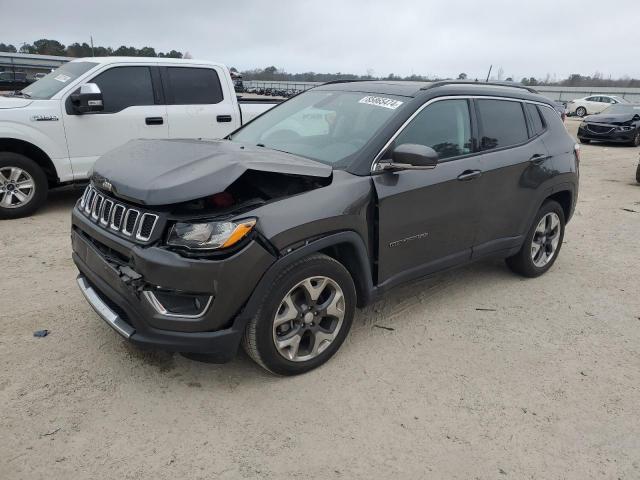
(490,67)
(93,54)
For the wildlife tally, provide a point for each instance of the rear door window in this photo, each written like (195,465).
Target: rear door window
(444,126)
(502,123)
(124,87)
(194,86)
(537,125)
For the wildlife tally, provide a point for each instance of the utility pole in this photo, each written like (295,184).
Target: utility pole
(93,54)
(488,74)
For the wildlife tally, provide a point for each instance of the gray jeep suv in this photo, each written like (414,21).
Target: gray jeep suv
(273,236)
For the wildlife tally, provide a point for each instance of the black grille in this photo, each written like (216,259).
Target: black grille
(106,212)
(146,226)
(117,217)
(97,205)
(130,220)
(599,128)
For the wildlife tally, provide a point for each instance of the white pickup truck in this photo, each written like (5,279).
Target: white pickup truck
(52,131)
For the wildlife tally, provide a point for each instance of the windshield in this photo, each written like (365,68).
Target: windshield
(48,86)
(626,109)
(330,127)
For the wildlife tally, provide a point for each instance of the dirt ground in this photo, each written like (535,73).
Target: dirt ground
(478,374)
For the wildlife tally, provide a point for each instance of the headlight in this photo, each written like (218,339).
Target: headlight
(625,128)
(209,235)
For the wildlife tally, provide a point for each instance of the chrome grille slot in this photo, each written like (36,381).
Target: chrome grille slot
(130,219)
(147,224)
(95,209)
(90,197)
(85,194)
(106,212)
(117,217)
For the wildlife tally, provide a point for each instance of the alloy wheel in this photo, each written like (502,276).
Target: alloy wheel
(17,187)
(308,319)
(545,239)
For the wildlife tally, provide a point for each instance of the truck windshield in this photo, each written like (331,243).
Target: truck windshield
(48,86)
(327,126)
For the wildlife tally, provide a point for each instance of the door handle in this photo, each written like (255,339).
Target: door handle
(154,120)
(538,158)
(469,175)
(223,118)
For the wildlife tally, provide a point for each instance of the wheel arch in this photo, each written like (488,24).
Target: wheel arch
(33,152)
(565,199)
(347,247)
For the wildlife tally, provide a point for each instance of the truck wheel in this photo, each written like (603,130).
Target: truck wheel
(542,243)
(23,185)
(581,111)
(304,318)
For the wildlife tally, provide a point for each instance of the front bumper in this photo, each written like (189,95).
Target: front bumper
(118,300)
(614,136)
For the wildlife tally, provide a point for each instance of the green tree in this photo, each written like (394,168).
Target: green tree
(49,47)
(147,52)
(78,50)
(462,76)
(7,48)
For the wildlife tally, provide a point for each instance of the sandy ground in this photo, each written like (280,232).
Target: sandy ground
(543,386)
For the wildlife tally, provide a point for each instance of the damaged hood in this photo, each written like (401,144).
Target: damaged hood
(165,172)
(613,118)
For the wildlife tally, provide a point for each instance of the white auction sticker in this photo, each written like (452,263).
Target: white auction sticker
(381,102)
(62,78)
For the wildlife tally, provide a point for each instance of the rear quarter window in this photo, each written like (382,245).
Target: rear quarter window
(537,125)
(503,123)
(551,118)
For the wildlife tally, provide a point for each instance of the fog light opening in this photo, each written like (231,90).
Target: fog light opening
(178,304)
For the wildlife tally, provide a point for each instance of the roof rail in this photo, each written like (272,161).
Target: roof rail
(443,83)
(343,81)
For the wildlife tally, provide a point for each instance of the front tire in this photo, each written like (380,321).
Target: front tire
(584,140)
(638,173)
(581,112)
(304,318)
(636,139)
(23,186)
(542,243)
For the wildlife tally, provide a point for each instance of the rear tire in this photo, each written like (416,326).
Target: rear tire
(291,333)
(23,186)
(542,244)
(581,112)
(638,173)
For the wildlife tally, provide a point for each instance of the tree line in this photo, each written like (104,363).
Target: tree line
(53,47)
(574,80)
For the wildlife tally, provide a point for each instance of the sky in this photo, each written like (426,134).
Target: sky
(435,38)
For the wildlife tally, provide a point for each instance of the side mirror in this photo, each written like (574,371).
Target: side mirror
(411,156)
(88,99)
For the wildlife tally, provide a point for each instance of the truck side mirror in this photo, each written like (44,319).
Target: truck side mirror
(88,99)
